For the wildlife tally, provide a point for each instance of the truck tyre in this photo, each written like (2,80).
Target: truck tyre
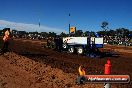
(71,49)
(80,50)
(64,46)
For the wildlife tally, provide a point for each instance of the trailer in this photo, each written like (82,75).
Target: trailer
(81,45)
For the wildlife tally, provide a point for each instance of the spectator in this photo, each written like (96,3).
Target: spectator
(6,41)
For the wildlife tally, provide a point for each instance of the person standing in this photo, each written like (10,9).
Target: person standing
(60,44)
(5,40)
(56,43)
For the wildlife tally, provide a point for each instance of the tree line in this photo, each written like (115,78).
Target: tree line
(105,31)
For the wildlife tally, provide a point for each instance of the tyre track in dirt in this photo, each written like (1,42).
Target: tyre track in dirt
(55,58)
(70,63)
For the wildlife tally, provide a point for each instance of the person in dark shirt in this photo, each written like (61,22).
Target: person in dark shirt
(60,41)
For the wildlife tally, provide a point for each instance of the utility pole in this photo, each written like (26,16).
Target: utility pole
(39,23)
(69,23)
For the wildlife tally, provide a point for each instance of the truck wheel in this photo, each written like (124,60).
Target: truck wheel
(80,50)
(64,46)
(71,49)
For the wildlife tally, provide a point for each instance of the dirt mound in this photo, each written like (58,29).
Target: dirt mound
(48,68)
(20,72)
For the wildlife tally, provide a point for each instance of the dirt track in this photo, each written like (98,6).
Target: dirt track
(21,72)
(57,62)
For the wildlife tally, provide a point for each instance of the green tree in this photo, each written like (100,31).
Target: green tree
(122,32)
(63,34)
(111,33)
(44,34)
(105,25)
(79,33)
(101,33)
(92,34)
(86,33)
(52,34)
